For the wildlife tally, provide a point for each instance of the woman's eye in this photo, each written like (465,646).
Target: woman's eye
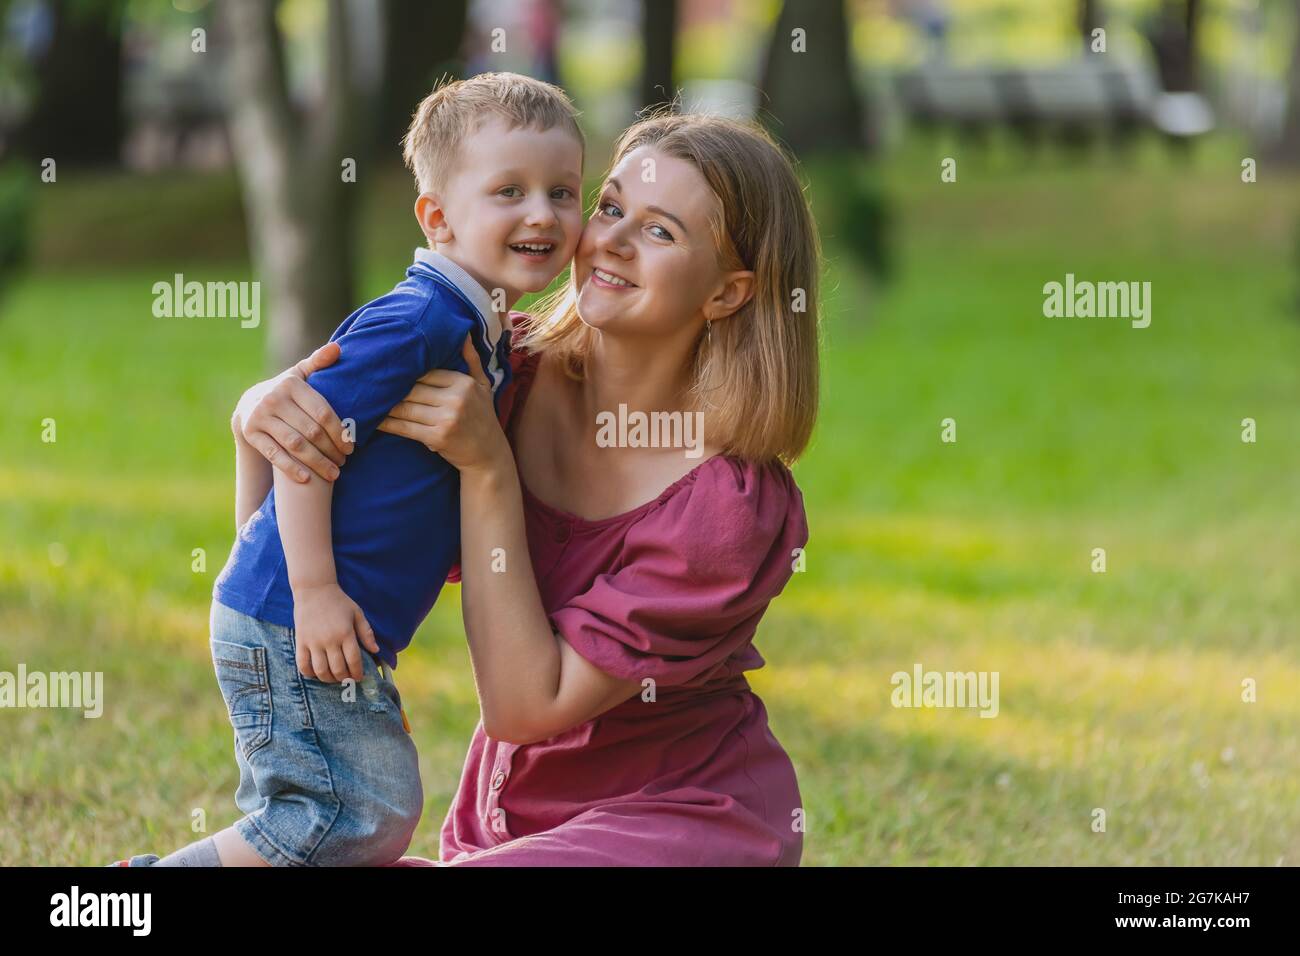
(661,233)
(606,207)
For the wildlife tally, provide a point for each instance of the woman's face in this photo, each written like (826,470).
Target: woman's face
(646,262)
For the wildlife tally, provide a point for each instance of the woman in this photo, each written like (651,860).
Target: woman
(610,594)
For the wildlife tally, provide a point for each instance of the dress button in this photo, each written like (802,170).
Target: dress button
(498,780)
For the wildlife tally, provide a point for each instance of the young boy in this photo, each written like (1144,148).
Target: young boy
(329,776)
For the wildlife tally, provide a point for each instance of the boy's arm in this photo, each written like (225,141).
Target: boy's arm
(302,511)
(252,480)
(384,349)
(327,623)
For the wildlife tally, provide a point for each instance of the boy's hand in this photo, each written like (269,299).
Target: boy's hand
(328,625)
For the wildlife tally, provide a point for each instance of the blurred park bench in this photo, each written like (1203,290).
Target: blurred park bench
(1075,101)
(178,118)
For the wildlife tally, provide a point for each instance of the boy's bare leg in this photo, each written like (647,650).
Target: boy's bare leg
(235,851)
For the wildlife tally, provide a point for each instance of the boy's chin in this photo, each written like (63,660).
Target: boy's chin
(529,284)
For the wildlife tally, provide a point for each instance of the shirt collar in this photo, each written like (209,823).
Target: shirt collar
(467,284)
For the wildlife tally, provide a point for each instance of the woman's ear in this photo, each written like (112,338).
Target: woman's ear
(433,222)
(737,289)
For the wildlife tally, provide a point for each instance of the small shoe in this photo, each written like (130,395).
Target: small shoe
(140,859)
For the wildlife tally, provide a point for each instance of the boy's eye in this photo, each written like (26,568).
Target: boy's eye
(511,192)
(562,192)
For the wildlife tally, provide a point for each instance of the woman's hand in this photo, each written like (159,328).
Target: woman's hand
(290,425)
(452,414)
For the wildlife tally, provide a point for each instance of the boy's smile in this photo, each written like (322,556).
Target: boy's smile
(535,250)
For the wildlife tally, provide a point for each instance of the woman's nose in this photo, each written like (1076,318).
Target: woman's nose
(616,239)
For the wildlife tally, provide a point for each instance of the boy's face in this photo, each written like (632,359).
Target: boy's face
(510,212)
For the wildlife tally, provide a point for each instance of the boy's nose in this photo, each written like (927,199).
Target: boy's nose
(541,214)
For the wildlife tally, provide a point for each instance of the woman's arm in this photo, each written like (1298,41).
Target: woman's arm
(531,684)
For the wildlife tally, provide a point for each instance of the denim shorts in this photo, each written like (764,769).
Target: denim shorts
(328,773)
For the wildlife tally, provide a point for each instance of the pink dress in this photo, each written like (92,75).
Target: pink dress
(668,594)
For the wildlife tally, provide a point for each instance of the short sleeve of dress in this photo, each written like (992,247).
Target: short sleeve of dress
(695,576)
(523,367)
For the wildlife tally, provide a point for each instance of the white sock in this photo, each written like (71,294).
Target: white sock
(203,853)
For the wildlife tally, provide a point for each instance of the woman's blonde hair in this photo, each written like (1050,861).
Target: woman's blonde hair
(755,374)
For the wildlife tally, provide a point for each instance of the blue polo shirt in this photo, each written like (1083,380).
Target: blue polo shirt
(396,506)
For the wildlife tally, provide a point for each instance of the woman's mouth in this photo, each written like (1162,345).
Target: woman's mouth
(534,250)
(610,281)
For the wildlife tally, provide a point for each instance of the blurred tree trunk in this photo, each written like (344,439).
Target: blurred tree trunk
(1089,19)
(80,75)
(808,81)
(659,37)
(301,212)
(1174,38)
(1192,27)
(811,102)
(1288,149)
(422,43)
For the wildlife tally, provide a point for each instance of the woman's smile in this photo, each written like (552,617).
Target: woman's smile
(609,280)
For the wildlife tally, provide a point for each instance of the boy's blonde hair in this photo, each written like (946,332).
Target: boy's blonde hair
(456,107)
(756,373)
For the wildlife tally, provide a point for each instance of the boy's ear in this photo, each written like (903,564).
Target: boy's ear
(433,222)
(737,289)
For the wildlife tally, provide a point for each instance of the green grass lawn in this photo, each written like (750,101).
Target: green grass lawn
(1119,691)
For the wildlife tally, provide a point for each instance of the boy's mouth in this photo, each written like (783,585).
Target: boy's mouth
(535,250)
